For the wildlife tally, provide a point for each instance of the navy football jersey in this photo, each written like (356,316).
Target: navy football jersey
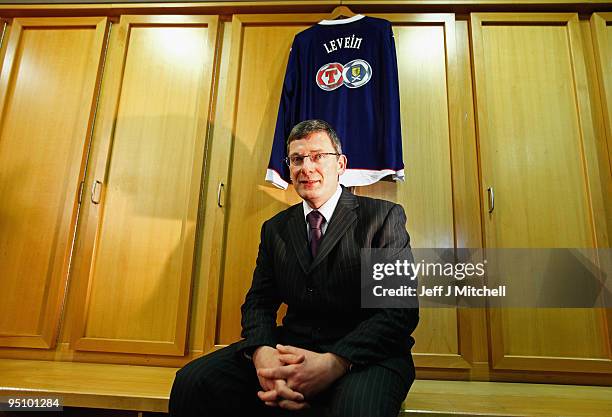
(344,72)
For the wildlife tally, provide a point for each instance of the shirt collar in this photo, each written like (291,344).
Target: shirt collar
(341,21)
(327,209)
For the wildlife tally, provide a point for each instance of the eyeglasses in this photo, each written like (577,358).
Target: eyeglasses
(316,158)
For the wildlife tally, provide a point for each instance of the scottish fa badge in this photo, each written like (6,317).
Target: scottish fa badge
(356,73)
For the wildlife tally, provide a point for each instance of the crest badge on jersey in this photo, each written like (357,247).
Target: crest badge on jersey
(354,74)
(329,76)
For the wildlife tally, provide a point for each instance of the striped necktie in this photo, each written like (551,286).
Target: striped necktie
(315,220)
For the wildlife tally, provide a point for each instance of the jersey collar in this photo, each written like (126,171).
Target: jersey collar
(342,21)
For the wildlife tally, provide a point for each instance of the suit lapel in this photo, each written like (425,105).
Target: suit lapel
(296,228)
(344,215)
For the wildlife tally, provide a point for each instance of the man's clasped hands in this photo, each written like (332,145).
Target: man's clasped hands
(290,375)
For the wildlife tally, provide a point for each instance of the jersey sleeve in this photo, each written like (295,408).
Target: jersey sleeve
(392,119)
(278,172)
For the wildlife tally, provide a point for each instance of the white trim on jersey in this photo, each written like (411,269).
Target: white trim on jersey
(360,177)
(341,21)
(350,178)
(276,180)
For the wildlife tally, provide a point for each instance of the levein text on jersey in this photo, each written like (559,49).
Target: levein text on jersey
(339,43)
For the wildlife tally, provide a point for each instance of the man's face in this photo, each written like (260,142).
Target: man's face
(316,182)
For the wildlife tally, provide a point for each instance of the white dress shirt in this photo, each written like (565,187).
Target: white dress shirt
(327,210)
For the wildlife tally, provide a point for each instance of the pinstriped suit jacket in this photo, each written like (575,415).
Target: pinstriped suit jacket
(323,294)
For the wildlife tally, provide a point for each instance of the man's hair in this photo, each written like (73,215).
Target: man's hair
(305,128)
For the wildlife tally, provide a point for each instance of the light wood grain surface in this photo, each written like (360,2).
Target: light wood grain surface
(47,88)
(427,70)
(601,27)
(535,135)
(147,389)
(138,242)
(123,387)
(313,5)
(507,399)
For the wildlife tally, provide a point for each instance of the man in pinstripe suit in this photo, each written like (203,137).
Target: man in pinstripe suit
(330,354)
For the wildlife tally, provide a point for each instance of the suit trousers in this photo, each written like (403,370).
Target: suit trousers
(224,384)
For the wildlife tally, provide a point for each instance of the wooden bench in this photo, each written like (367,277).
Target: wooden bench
(146,389)
(90,385)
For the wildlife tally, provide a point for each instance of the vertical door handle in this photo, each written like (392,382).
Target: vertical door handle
(219,190)
(95,192)
(491,195)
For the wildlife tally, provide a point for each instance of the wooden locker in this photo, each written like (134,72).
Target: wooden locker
(135,254)
(48,90)
(537,151)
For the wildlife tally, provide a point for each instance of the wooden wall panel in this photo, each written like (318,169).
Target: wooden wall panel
(5,28)
(536,150)
(427,66)
(601,28)
(473,341)
(136,254)
(47,90)
(424,44)
(260,47)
